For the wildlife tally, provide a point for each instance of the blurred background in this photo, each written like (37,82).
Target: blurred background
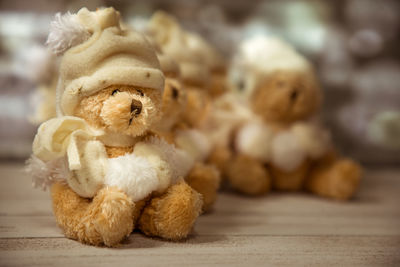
(354,44)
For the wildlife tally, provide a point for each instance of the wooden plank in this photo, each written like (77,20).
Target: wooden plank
(234,224)
(208,251)
(278,229)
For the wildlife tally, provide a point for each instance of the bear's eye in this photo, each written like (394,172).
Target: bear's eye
(140,92)
(175,93)
(115,91)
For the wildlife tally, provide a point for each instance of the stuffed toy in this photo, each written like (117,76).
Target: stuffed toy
(229,112)
(189,51)
(283,146)
(109,174)
(202,177)
(196,59)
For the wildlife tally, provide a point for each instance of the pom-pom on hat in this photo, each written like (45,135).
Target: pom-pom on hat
(97,54)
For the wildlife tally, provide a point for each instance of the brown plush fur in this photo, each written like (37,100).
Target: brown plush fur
(172,214)
(111,215)
(198,106)
(248,176)
(293,181)
(204,178)
(217,85)
(281,99)
(113,152)
(220,157)
(285,97)
(110,109)
(335,179)
(106,219)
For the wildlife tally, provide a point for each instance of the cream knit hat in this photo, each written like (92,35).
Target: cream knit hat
(184,47)
(109,56)
(168,65)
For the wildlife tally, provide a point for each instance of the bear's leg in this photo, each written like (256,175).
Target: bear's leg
(220,157)
(171,215)
(106,219)
(289,181)
(248,175)
(337,179)
(205,179)
(139,206)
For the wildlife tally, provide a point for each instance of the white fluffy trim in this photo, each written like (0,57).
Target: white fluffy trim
(44,174)
(287,152)
(180,162)
(254,139)
(132,174)
(314,140)
(195,143)
(65,32)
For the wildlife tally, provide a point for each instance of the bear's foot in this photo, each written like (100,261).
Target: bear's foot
(289,180)
(173,214)
(338,179)
(112,215)
(248,176)
(205,179)
(220,157)
(106,219)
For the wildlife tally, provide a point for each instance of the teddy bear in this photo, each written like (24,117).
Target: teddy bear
(283,146)
(200,65)
(201,176)
(196,74)
(108,172)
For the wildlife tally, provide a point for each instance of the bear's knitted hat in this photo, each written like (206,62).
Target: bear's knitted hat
(168,65)
(99,54)
(184,47)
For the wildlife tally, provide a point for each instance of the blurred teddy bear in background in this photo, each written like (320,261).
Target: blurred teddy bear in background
(201,176)
(283,146)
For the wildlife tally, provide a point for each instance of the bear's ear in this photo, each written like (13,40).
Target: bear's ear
(66,32)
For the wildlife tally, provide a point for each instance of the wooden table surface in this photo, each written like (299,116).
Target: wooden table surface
(278,230)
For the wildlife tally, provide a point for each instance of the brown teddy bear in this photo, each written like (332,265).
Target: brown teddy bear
(202,177)
(283,146)
(109,173)
(199,65)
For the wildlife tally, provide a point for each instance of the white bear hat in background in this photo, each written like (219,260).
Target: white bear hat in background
(259,56)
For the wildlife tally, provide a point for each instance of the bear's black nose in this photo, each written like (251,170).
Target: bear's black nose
(136,107)
(293,95)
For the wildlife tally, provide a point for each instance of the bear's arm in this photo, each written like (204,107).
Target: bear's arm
(314,139)
(89,178)
(194,143)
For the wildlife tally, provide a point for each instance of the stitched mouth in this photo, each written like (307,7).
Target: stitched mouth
(134,114)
